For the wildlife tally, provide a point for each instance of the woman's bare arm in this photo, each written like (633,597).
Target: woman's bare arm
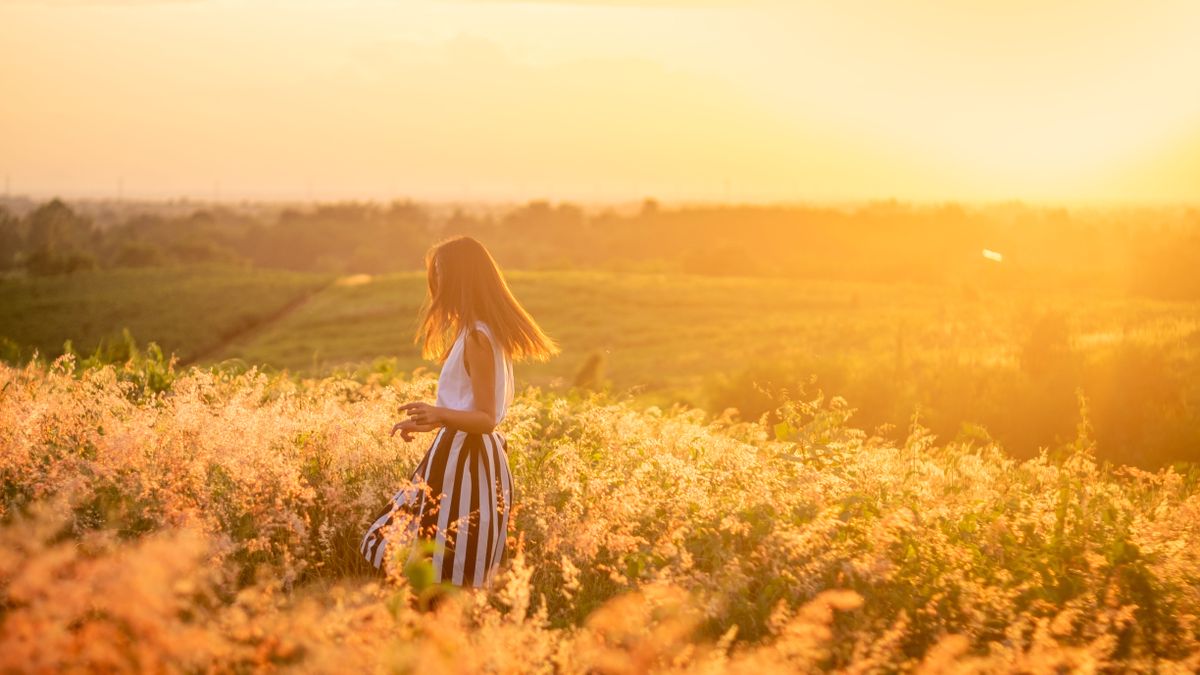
(481,366)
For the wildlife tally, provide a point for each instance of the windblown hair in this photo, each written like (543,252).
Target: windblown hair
(465,286)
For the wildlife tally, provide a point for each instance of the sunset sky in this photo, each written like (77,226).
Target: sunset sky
(1095,100)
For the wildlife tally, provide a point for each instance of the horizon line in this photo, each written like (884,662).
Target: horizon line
(432,200)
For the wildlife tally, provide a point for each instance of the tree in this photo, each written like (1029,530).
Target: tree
(57,229)
(11,241)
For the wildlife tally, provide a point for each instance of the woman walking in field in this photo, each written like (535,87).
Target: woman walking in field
(462,490)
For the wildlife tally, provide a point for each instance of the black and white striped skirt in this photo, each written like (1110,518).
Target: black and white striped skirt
(459,498)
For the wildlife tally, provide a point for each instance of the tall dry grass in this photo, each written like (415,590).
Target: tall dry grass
(208,521)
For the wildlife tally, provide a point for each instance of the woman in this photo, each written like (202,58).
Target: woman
(462,491)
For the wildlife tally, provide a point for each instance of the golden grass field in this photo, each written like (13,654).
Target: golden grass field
(192,520)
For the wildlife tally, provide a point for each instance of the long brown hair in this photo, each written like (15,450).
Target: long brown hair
(465,286)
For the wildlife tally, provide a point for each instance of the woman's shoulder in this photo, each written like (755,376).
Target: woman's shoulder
(486,330)
(477,333)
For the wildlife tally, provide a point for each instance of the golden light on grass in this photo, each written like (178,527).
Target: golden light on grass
(253,488)
(354,280)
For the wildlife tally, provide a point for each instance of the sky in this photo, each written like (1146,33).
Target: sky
(758,100)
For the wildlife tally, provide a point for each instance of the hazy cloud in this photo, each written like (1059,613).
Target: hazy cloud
(680,4)
(102,3)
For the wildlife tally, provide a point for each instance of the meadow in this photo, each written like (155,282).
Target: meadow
(1007,364)
(163,519)
(188,312)
(720,473)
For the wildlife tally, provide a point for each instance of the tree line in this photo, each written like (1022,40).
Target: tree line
(1149,251)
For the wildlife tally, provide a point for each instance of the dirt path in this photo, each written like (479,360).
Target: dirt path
(256,326)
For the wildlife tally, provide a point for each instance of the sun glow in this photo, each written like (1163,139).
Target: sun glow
(601,100)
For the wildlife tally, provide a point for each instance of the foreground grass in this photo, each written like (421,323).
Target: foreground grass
(213,525)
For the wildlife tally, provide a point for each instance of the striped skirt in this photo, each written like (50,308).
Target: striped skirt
(459,498)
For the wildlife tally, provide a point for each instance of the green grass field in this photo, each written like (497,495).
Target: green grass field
(186,310)
(1010,361)
(661,331)
(673,333)
(655,332)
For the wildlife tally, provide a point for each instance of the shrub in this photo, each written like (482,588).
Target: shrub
(214,524)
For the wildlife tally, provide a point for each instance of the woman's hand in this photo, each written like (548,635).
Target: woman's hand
(423,414)
(408,427)
(421,417)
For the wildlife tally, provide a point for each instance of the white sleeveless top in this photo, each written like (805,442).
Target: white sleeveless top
(454,384)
